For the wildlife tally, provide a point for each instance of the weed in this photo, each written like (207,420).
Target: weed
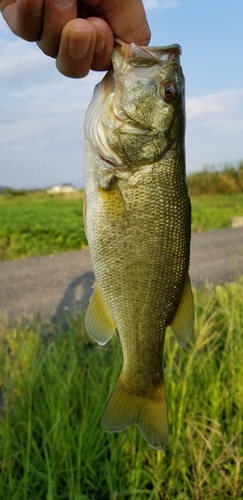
(55,387)
(228,180)
(37,223)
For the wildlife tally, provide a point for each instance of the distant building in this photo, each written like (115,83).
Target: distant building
(63,188)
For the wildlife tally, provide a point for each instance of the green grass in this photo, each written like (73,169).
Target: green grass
(37,223)
(55,386)
(215,212)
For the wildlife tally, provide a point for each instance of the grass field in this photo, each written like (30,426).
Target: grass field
(215,212)
(37,223)
(55,385)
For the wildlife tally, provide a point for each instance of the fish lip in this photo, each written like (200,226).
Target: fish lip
(156,54)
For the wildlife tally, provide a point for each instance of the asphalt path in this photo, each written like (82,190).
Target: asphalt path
(50,285)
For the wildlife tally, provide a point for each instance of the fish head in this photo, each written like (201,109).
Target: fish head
(140,106)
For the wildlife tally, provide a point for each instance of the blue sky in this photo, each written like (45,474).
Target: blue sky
(42,112)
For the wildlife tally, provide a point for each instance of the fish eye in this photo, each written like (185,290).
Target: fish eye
(169,91)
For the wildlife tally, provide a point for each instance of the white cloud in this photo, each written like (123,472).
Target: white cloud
(220,111)
(45,113)
(160,4)
(214,128)
(20,60)
(41,118)
(38,105)
(42,112)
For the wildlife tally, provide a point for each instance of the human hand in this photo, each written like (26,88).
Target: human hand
(79,34)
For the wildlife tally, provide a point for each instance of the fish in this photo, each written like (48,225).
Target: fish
(138,226)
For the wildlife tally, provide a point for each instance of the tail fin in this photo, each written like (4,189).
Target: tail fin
(125,408)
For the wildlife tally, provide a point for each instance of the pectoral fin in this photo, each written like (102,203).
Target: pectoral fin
(182,324)
(99,323)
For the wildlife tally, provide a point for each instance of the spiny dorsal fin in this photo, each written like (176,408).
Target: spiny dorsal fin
(182,324)
(99,323)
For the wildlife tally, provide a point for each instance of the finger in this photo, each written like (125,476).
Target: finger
(127,20)
(24,17)
(57,14)
(76,49)
(104,45)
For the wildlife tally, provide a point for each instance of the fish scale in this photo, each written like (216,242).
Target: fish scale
(138,220)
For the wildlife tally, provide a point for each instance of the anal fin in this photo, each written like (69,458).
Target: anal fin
(182,324)
(98,320)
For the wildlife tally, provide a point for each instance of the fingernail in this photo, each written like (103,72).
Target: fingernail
(63,4)
(79,44)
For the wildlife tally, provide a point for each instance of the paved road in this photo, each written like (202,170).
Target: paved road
(52,284)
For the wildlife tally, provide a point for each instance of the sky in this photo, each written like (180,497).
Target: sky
(42,111)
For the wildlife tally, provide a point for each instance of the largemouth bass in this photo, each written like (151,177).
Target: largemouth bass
(138,225)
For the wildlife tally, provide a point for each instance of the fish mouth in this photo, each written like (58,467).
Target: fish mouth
(146,56)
